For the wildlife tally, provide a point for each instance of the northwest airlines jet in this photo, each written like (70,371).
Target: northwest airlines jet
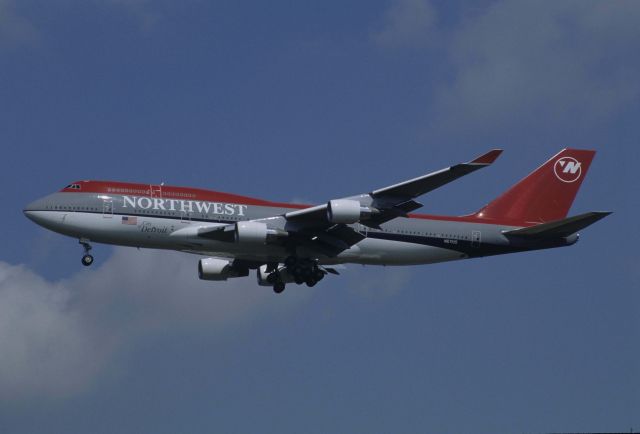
(287,242)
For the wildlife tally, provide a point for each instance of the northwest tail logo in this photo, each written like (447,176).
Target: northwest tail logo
(567,169)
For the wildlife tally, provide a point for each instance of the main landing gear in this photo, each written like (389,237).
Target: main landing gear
(299,270)
(274,278)
(304,271)
(87,259)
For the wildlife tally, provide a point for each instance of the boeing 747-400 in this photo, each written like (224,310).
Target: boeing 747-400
(286,242)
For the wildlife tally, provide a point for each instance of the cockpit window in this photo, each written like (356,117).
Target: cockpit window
(73,186)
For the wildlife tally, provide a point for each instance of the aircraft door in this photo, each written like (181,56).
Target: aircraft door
(476,238)
(107,208)
(155,190)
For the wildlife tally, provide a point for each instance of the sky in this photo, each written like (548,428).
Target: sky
(308,101)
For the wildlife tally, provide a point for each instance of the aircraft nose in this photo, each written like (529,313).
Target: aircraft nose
(30,209)
(35,211)
(36,205)
(33,206)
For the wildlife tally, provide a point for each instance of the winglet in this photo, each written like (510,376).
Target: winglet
(487,158)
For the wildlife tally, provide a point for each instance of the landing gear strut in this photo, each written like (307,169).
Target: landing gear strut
(87,259)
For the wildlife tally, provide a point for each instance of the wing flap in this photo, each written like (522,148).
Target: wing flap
(329,242)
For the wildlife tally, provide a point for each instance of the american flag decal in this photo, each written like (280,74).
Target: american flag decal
(126,220)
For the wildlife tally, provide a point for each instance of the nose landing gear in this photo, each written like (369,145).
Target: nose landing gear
(87,259)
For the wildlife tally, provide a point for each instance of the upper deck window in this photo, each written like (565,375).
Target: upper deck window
(73,186)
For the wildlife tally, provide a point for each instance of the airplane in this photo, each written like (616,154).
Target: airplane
(286,242)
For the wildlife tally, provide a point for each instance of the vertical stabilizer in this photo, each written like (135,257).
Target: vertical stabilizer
(546,194)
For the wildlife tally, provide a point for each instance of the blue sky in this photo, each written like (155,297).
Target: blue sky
(308,101)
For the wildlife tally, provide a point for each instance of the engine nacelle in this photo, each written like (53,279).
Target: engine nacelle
(251,232)
(344,211)
(219,269)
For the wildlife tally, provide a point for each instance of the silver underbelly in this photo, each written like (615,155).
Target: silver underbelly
(152,232)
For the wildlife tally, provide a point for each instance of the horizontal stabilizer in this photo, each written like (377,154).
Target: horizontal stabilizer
(559,228)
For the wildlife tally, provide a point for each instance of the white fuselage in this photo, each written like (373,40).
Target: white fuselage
(174,218)
(175,234)
(287,242)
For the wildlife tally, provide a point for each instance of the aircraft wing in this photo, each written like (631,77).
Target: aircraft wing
(326,229)
(328,240)
(397,200)
(423,184)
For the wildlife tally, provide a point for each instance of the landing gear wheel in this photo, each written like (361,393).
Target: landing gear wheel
(87,260)
(278,287)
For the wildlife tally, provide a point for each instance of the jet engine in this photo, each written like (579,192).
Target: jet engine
(251,232)
(219,269)
(347,211)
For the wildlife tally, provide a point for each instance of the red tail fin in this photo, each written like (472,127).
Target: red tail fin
(546,194)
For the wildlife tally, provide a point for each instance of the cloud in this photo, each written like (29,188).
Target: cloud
(523,62)
(15,30)
(41,342)
(408,23)
(57,338)
(375,283)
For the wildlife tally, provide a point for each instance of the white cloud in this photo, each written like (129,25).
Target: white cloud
(378,283)
(408,23)
(56,338)
(41,342)
(524,62)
